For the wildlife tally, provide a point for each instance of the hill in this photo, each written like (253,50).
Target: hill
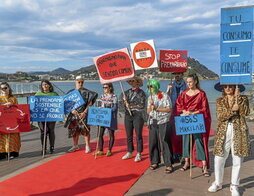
(193,67)
(57,71)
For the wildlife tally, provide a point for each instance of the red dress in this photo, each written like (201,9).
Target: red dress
(199,103)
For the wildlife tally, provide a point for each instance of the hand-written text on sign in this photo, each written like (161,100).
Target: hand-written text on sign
(99,116)
(46,108)
(72,101)
(190,124)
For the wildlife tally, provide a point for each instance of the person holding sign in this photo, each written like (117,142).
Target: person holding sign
(108,100)
(77,120)
(47,89)
(232,134)
(12,140)
(174,90)
(194,101)
(134,100)
(159,110)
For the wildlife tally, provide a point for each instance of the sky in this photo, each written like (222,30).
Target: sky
(42,35)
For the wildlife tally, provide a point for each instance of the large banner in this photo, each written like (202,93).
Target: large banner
(14,119)
(144,55)
(99,116)
(46,108)
(173,60)
(72,101)
(190,124)
(236,45)
(114,66)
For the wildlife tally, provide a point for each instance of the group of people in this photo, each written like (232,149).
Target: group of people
(158,109)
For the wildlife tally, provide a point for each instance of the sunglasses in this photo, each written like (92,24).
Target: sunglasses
(4,88)
(229,86)
(80,82)
(149,86)
(131,80)
(105,87)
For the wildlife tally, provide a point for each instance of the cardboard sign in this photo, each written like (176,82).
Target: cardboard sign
(99,116)
(236,45)
(173,60)
(72,101)
(190,124)
(114,66)
(144,55)
(46,108)
(14,119)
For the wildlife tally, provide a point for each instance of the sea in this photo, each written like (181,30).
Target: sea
(63,87)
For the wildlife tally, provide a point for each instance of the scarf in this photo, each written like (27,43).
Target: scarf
(181,87)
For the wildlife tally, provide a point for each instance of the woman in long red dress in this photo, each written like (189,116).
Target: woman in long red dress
(194,101)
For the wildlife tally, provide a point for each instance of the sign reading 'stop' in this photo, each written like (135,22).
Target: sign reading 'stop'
(143,54)
(114,66)
(173,60)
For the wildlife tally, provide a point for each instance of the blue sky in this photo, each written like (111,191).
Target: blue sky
(42,35)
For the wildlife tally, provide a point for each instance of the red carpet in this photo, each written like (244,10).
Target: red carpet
(80,174)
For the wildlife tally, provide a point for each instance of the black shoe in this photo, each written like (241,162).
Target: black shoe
(51,150)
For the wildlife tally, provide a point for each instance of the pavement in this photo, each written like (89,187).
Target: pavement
(151,183)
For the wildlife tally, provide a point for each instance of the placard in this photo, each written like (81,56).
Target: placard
(144,55)
(114,66)
(173,60)
(46,108)
(190,124)
(14,119)
(236,46)
(99,116)
(72,101)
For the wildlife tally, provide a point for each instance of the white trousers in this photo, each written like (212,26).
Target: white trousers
(219,162)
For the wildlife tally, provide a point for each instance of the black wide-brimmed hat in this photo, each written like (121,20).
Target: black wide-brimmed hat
(218,86)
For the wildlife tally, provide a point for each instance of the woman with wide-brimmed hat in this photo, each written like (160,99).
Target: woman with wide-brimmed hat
(232,134)
(134,101)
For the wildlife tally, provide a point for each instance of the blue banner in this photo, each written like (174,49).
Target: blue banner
(72,101)
(236,45)
(46,108)
(99,116)
(190,124)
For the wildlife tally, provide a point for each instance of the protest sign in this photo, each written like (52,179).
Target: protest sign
(46,108)
(173,60)
(144,55)
(114,66)
(99,116)
(14,119)
(190,124)
(236,45)
(72,101)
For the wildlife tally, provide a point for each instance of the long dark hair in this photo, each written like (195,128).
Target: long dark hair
(195,78)
(10,90)
(51,88)
(111,87)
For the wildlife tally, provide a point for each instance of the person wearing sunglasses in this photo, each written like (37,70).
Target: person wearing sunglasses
(108,100)
(134,101)
(232,135)
(159,109)
(194,101)
(47,89)
(76,121)
(7,99)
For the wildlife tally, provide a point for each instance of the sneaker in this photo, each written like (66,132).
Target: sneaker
(73,149)
(88,149)
(98,153)
(109,153)
(234,190)
(214,188)
(128,155)
(138,157)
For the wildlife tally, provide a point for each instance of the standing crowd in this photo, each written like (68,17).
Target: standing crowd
(158,110)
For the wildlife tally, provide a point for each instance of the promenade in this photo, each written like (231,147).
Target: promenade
(152,183)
